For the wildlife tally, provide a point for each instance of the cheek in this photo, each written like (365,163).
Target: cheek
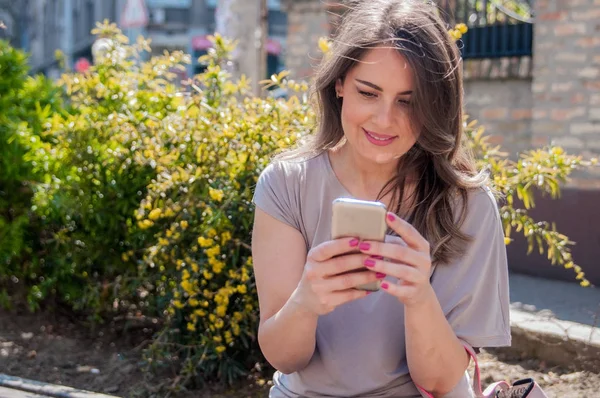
(354,115)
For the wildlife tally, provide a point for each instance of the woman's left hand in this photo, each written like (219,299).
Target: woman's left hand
(407,259)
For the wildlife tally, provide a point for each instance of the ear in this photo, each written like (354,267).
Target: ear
(339,88)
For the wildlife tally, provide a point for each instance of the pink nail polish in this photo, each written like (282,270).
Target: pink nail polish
(354,243)
(369,263)
(365,246)
(380,275)
(385,286)
(391,217)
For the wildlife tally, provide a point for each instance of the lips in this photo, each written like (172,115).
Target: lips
(379,139)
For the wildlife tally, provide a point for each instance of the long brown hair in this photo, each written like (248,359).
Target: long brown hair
(439,163)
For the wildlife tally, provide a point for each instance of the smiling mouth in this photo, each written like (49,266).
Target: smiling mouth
(379,137)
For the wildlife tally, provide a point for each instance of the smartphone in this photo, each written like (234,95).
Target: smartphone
(361,219)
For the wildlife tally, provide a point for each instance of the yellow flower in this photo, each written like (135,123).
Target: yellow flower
(236,329)
(145,224)
(212,318)
(124,257)
(228,337)
(200,313)
(237,316)
(221,310)
(178,304)
(248,308)
(207,275)
(188,287)
(217,339)
(507,241)
(211,232)
(324,44)
(191,327)
(220,349)
(194,267)
(163,242)
(585,283)
(242,289)
(185,275)
(193,302)
(216,194)
(203,242)
(225,237)
(219,323)
(184,224)
(213,251)
(155,214)
(462,28)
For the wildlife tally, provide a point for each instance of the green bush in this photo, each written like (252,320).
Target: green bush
(149,186)
(25,104)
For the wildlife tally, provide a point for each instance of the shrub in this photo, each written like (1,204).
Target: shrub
(25,104)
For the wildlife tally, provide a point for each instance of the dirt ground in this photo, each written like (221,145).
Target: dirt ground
(52,349)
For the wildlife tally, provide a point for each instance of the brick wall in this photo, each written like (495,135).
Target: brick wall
(566,78)
(498,94)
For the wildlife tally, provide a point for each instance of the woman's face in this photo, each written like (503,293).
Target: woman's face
(375,108)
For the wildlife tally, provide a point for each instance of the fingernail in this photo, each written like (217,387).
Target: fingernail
(385,285)
(354,243)
(369,262)
(380,275)
(391,217)
(365,246)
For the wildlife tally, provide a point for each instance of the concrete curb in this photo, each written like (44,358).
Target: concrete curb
(557,342)
(45,389)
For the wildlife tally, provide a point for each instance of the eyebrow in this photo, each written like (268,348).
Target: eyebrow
(376,87)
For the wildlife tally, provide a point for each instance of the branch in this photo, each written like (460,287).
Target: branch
(548,240)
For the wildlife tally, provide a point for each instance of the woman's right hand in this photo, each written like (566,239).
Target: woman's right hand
(326,282)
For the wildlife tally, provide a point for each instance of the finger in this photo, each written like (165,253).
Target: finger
(406,231)
(332,248)
(342,264)
(404,272)
(401,291)
(403,254)
(351,280)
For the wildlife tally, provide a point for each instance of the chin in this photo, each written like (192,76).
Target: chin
(384,158)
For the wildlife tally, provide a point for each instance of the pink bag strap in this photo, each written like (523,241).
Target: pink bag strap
(488,393)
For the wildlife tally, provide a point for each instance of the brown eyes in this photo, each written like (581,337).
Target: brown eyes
(370,95)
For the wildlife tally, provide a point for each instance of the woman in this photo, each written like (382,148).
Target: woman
(389,100)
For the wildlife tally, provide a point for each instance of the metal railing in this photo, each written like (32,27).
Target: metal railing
(497,28)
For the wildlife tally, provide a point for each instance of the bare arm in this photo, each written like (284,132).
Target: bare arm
(436,358)
(295,287)
(287,332)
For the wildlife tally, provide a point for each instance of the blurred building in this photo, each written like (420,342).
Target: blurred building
(44,26)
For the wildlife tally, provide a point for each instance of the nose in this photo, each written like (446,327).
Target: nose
(385,116)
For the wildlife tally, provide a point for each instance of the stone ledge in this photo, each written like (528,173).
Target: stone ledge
(498,68)
(555,341)
(47,390)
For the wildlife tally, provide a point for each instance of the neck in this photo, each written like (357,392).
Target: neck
(361,176)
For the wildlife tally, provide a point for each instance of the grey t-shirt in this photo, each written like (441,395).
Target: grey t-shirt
(360,346)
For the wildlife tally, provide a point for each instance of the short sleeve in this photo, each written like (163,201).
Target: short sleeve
(275,194)
(473,290)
